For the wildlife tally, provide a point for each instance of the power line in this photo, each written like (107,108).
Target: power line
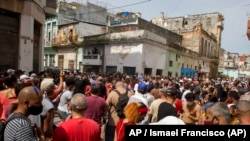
(117,7)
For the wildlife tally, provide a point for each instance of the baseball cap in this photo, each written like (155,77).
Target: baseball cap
(169,120)
(24,77)
(207,105)
(10,71)
(169,91)
(142,87)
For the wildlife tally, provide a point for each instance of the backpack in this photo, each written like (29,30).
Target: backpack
(122,102)
(4,123)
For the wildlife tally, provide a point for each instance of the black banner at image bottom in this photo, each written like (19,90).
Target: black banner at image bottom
(194,132)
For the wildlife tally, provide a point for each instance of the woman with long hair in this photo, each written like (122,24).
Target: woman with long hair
(134,113)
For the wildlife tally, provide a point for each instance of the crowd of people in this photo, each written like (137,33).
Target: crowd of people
(86,104)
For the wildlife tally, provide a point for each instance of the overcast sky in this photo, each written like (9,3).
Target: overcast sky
(235,13)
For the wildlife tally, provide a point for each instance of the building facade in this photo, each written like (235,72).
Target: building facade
(69,52)
(21,33)
(133,45)
(202,34)
(63,32)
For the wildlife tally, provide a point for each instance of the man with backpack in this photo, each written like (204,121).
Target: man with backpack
(112,101)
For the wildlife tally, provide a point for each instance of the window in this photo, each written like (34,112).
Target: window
(159,72)
(176,74)
(71,64)
(148,71)
(177,57)
(111,69)
(169,73)
(46,60)
(208,22)
(201,46)
(205,49)
(170,63)
(49,38)
(165,24)
(129,70)
(51,60)
(60,61)
(176,23)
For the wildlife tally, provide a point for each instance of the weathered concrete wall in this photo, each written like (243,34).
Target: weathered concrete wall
(69,54)
(26,42)
(83,12)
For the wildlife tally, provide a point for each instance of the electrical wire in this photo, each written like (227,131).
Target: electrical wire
(116,7)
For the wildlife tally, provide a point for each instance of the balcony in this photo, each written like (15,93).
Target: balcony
(62,40)
(50,8)
(92,60)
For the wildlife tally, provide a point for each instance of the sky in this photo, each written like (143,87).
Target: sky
(235,13)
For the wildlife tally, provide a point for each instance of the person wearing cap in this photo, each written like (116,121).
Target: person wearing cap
(150,98)
(77,127)
(167,108)
(10,72)
(169,120)
(139,96)
(24,79)
(153,109)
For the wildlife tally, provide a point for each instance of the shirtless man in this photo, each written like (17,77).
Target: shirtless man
(191,110)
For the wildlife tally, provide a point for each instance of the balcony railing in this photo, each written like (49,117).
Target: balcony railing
(94,59)
(91,57)
(64,40)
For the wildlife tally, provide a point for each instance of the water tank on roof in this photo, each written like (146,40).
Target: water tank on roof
(126,13)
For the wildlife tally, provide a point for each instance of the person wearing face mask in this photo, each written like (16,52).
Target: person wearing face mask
(191,110)
(20,128)
(45,119)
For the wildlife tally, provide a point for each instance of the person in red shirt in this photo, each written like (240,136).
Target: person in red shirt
(134,113)
(77,128)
